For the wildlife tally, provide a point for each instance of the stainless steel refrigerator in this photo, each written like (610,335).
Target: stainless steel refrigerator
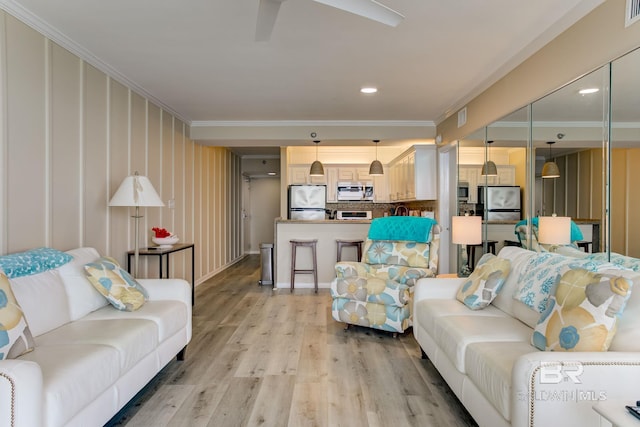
(499,202)
(307,202)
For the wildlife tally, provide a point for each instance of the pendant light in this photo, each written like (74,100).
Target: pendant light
(489,168)
(376,167)
(550,168)
(316,167)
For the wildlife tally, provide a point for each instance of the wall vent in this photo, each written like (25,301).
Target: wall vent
(462,117)
(632,12)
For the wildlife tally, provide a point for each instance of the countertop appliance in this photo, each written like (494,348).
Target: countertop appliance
(353,215)
(355,191)
(499,202)
(463,192)
(307,202)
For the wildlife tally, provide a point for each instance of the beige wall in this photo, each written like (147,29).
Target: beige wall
(590,43)
(69,134)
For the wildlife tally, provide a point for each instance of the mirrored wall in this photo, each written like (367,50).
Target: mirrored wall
(574,152)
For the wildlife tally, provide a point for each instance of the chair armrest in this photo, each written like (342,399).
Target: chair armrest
(346,269)
(167,289)
(21,393)
(437,288)
(559,388)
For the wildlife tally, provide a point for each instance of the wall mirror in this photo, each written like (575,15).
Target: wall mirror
(568,130)
(625,155)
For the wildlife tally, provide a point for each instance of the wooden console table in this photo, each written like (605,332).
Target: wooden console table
(160,253)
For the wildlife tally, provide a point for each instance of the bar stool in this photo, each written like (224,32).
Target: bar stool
(311,244)
(342,243)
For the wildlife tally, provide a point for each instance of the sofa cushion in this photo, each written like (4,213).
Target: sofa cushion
(169,316)
(73,376)
(410,254)
(43,299)
(484,284)
(542,273)
(489,366)
(428,310)
(82,296)
(33,261)
(115,284)
(583,313)
(132,338)
(15,335)
(454,333)
(518,258)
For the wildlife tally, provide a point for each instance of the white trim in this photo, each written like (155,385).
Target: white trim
(306,123)
(20,12)
(48,150)
(4,138)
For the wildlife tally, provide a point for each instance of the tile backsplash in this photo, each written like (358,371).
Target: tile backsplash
(379,209)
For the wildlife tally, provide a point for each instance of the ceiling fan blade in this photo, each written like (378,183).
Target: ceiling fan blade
(267,14)
(367,8)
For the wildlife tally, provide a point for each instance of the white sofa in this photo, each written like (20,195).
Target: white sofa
(89,358)
(487,359)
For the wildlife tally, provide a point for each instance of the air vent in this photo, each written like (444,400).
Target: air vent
(462,117)
(633,12)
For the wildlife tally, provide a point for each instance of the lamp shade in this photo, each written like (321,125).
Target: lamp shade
(466,230)
(489,169)
(554,230)
(550,170)
(376,168)
(316,169)
(136,190)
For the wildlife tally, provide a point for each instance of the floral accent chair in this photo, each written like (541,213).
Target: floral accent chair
(378,292)
(521,233)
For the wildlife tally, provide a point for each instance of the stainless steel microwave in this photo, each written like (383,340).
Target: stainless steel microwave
(463,191)
(355,191)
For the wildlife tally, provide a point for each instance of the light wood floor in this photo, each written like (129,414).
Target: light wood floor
(272,358)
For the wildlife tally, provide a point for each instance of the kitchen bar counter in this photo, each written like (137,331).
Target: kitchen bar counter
(326,231)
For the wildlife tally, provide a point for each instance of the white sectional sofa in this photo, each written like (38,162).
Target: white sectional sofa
(89,359)
(487,358)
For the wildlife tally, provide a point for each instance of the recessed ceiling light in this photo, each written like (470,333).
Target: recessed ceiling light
(369,90)
(271,173)
(588,90)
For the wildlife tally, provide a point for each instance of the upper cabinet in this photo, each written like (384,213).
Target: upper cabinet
(413,175)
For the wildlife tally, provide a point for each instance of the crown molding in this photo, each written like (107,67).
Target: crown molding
(29,18)
(307,123)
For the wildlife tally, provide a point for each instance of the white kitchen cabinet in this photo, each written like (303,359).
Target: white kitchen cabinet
(413,174)
(300,175)
(331,172)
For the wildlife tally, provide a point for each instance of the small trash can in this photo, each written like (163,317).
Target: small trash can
(266,264)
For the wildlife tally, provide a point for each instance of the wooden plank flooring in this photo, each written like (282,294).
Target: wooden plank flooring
(273,358)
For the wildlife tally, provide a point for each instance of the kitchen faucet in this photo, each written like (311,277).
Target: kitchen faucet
(404,209)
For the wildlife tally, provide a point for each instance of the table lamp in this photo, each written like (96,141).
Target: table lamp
(554,230)
(136,191)
(466,230)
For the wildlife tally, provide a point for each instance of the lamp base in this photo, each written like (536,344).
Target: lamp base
(465,271)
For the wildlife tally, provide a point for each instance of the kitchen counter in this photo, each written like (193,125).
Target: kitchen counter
(326,231)
(323,221)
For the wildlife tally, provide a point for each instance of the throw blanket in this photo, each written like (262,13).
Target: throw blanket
(576,234)
(33,261)
(414,228)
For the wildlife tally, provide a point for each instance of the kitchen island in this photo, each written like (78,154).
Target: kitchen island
(326,231)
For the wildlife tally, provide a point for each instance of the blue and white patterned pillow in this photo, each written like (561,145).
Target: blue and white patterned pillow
(542,274)
(33,261)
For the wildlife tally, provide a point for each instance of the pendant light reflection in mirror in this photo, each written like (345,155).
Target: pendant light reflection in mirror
(489,168)
(375,169)
(550,168)
(316,167)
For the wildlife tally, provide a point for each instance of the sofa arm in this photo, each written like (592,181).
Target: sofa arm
(437,288)
(560,388)
(21,393)
(167,289)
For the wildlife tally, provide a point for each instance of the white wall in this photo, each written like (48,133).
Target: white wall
(263,209)
(69,134)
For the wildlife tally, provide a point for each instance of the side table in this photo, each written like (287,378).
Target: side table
(613,413)
(161,253)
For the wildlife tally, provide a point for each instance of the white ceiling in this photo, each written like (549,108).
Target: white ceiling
(198,58)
